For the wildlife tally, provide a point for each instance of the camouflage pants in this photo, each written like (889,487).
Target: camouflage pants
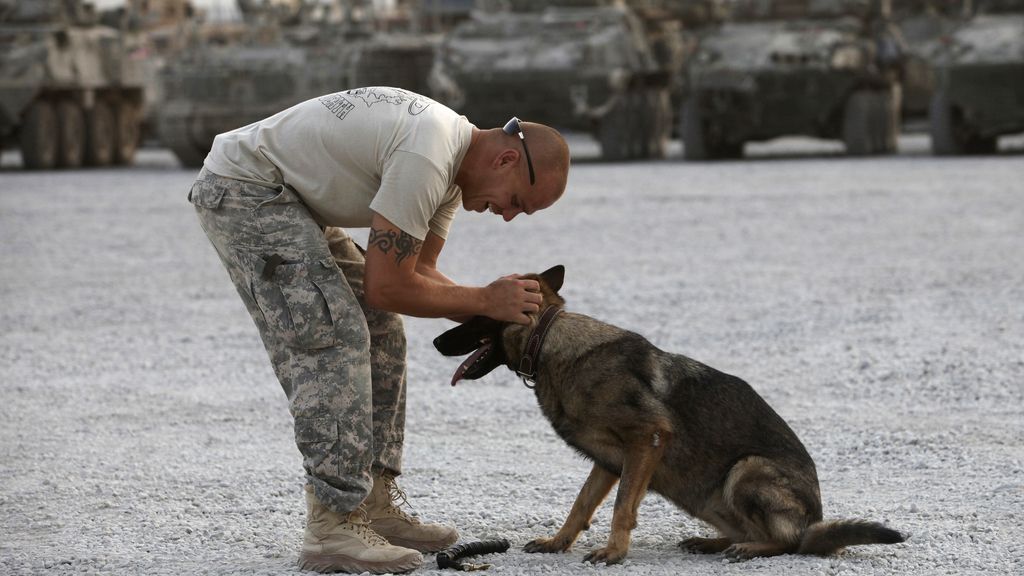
(341,364)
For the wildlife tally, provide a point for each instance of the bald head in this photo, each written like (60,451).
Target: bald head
(494,174)
(550,155)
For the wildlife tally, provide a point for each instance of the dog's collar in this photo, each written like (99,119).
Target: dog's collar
(531,358)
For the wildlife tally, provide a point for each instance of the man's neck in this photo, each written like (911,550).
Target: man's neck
(472,158)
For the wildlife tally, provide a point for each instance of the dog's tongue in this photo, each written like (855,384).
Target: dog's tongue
(469,362)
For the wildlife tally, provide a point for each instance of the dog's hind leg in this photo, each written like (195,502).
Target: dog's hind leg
(748,550)
(640,458)
(699,545)
(772,511)
(594,491)
(718,514)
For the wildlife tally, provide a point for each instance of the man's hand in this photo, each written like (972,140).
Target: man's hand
(510,299)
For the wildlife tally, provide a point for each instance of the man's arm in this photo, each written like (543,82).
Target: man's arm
(427,263)
(396,280)
(427,266)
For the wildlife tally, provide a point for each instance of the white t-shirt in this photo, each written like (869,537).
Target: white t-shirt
(353,153)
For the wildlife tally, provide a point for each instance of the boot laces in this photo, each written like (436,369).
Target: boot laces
(360,521)
(396,499)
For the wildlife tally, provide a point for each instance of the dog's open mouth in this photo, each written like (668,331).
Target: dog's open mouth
(478,363)
(480,337)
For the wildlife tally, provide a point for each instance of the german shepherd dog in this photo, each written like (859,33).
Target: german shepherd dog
(646,418)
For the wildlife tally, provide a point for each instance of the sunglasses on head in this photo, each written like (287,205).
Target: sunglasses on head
(512,128)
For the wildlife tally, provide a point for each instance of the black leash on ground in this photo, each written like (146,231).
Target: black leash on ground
(450,557)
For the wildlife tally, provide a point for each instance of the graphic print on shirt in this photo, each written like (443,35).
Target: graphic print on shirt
(337,104)
(394,96)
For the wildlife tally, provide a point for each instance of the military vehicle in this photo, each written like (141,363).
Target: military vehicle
(979,93)
(69,93)
(821,68)
(923,24)
(219,84)
(675,28)
(159,29)
(290,53)
(581,65)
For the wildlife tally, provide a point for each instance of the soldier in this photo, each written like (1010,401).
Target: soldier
(272,197)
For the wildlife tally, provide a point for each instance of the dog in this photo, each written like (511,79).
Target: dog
(649,419)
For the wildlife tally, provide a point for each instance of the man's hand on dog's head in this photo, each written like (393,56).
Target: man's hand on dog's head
(511,299)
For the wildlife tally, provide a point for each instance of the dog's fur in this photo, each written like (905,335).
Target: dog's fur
(703,439)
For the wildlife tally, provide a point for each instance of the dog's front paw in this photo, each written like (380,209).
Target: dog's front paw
(553,544)
(608,555)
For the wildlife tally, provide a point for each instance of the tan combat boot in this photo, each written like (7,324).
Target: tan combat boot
(335,543)
(401,529)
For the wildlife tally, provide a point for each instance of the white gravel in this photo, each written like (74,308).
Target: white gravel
(877,304)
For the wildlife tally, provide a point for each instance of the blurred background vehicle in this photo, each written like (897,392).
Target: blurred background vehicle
(586,65)
(159,31)
(86,87)
(923,24)
(70,94)
(287,52)
(822,68)
(979,87)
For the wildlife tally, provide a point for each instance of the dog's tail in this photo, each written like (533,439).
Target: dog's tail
(824,538)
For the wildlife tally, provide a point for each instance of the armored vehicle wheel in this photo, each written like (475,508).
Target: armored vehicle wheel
(951,135)
(638,128)
(860,126)
(71,130)
(100,121)
(871,122)
(39,137)
(728,150)
(174,134)
(657,123)
(981,145)
(942,124)
(615,132)
(694,130)
(700,139)
(126,132)
(190,156)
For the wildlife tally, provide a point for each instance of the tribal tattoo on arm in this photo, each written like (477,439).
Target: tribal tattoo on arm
(404,244)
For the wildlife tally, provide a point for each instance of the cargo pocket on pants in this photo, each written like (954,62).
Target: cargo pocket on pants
(302,303)
(207,194)
(315,438)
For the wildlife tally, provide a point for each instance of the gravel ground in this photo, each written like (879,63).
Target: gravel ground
(875,303)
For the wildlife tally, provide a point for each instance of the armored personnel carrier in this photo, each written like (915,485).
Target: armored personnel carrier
(70,95)
(219,84)
(286,56)
(979,93)
(580,65)
(821,68)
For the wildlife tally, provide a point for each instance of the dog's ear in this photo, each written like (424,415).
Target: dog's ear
(466,337)
(554,277)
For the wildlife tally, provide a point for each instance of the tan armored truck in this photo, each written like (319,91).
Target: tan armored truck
(70,94)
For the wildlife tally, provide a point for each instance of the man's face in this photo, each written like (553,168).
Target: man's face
(509,204)
(508,191)
(514,199)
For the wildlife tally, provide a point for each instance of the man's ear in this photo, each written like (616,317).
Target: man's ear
(506,157)
(554,277)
